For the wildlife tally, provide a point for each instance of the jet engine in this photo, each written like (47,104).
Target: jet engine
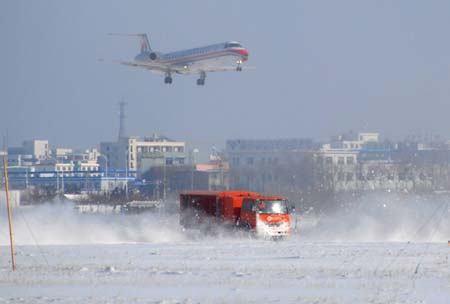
(153,56)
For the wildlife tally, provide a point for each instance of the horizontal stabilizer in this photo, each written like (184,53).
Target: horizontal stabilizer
(143,40)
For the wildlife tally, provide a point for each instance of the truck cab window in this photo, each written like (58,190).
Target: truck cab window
(250,206)
(272,207)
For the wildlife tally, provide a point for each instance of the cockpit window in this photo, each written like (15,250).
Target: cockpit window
(232,44)
(272,207)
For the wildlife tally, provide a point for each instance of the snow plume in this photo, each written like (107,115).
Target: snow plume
(62,224)
(381,217)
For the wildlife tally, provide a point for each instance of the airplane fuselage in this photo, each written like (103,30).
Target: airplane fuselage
(226,56)
(196,60)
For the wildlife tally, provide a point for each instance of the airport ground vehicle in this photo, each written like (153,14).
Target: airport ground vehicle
(263,215)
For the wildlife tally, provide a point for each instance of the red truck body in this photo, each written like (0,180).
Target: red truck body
(264,215)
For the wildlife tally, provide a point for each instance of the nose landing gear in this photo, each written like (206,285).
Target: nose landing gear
(201,80)
(239,67)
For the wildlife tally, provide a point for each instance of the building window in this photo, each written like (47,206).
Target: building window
(329,160)
(341,160)
(350,160)
(349,176)
(250,160)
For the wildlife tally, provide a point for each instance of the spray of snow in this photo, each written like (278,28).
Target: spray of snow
(373,217)
(381,217)
(62,224)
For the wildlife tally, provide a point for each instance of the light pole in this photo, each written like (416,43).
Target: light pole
(106,163)
(126,173)
(57,174)
(164,177)
(62,182)
(194,161)
(106,170)
(26,177)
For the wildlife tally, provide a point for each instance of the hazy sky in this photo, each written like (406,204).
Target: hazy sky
(322,67)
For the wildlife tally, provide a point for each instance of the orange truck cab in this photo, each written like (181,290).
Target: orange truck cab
(264,215)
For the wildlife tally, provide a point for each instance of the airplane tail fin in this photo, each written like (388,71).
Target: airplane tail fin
(145,46)
(143,40)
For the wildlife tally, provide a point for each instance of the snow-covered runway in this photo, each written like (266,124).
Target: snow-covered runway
(229,271)
(377,256)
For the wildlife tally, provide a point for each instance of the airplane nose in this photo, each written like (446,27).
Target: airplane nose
(243,53)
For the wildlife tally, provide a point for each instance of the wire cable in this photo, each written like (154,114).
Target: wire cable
(32,235)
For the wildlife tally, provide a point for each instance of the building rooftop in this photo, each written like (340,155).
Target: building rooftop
(157,138)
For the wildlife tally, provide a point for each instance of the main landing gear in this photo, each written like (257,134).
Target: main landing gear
(201,80)
(168,78)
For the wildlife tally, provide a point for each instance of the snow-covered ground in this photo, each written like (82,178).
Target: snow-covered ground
(71,258)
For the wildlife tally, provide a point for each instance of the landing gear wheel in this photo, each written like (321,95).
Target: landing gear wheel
(168,80)
(239,68)
(201,80)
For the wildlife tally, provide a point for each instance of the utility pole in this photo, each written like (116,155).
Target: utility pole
(8,205)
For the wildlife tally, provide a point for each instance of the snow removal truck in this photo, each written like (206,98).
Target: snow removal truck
(266,216)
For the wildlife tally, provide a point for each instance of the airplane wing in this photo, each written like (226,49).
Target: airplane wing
(226,68)
(154,67)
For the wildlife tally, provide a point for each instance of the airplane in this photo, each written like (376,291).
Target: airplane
(226,56)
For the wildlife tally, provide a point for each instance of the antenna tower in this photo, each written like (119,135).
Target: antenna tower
(122,132)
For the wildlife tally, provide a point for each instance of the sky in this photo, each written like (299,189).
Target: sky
(321,68)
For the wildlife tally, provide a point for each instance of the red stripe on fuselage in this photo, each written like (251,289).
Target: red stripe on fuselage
(241,52)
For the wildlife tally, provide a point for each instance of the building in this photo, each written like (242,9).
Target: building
(170,181)
(38,148)
(62,153)
(270,165)
(351,141)
(138,156)
(35,150)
